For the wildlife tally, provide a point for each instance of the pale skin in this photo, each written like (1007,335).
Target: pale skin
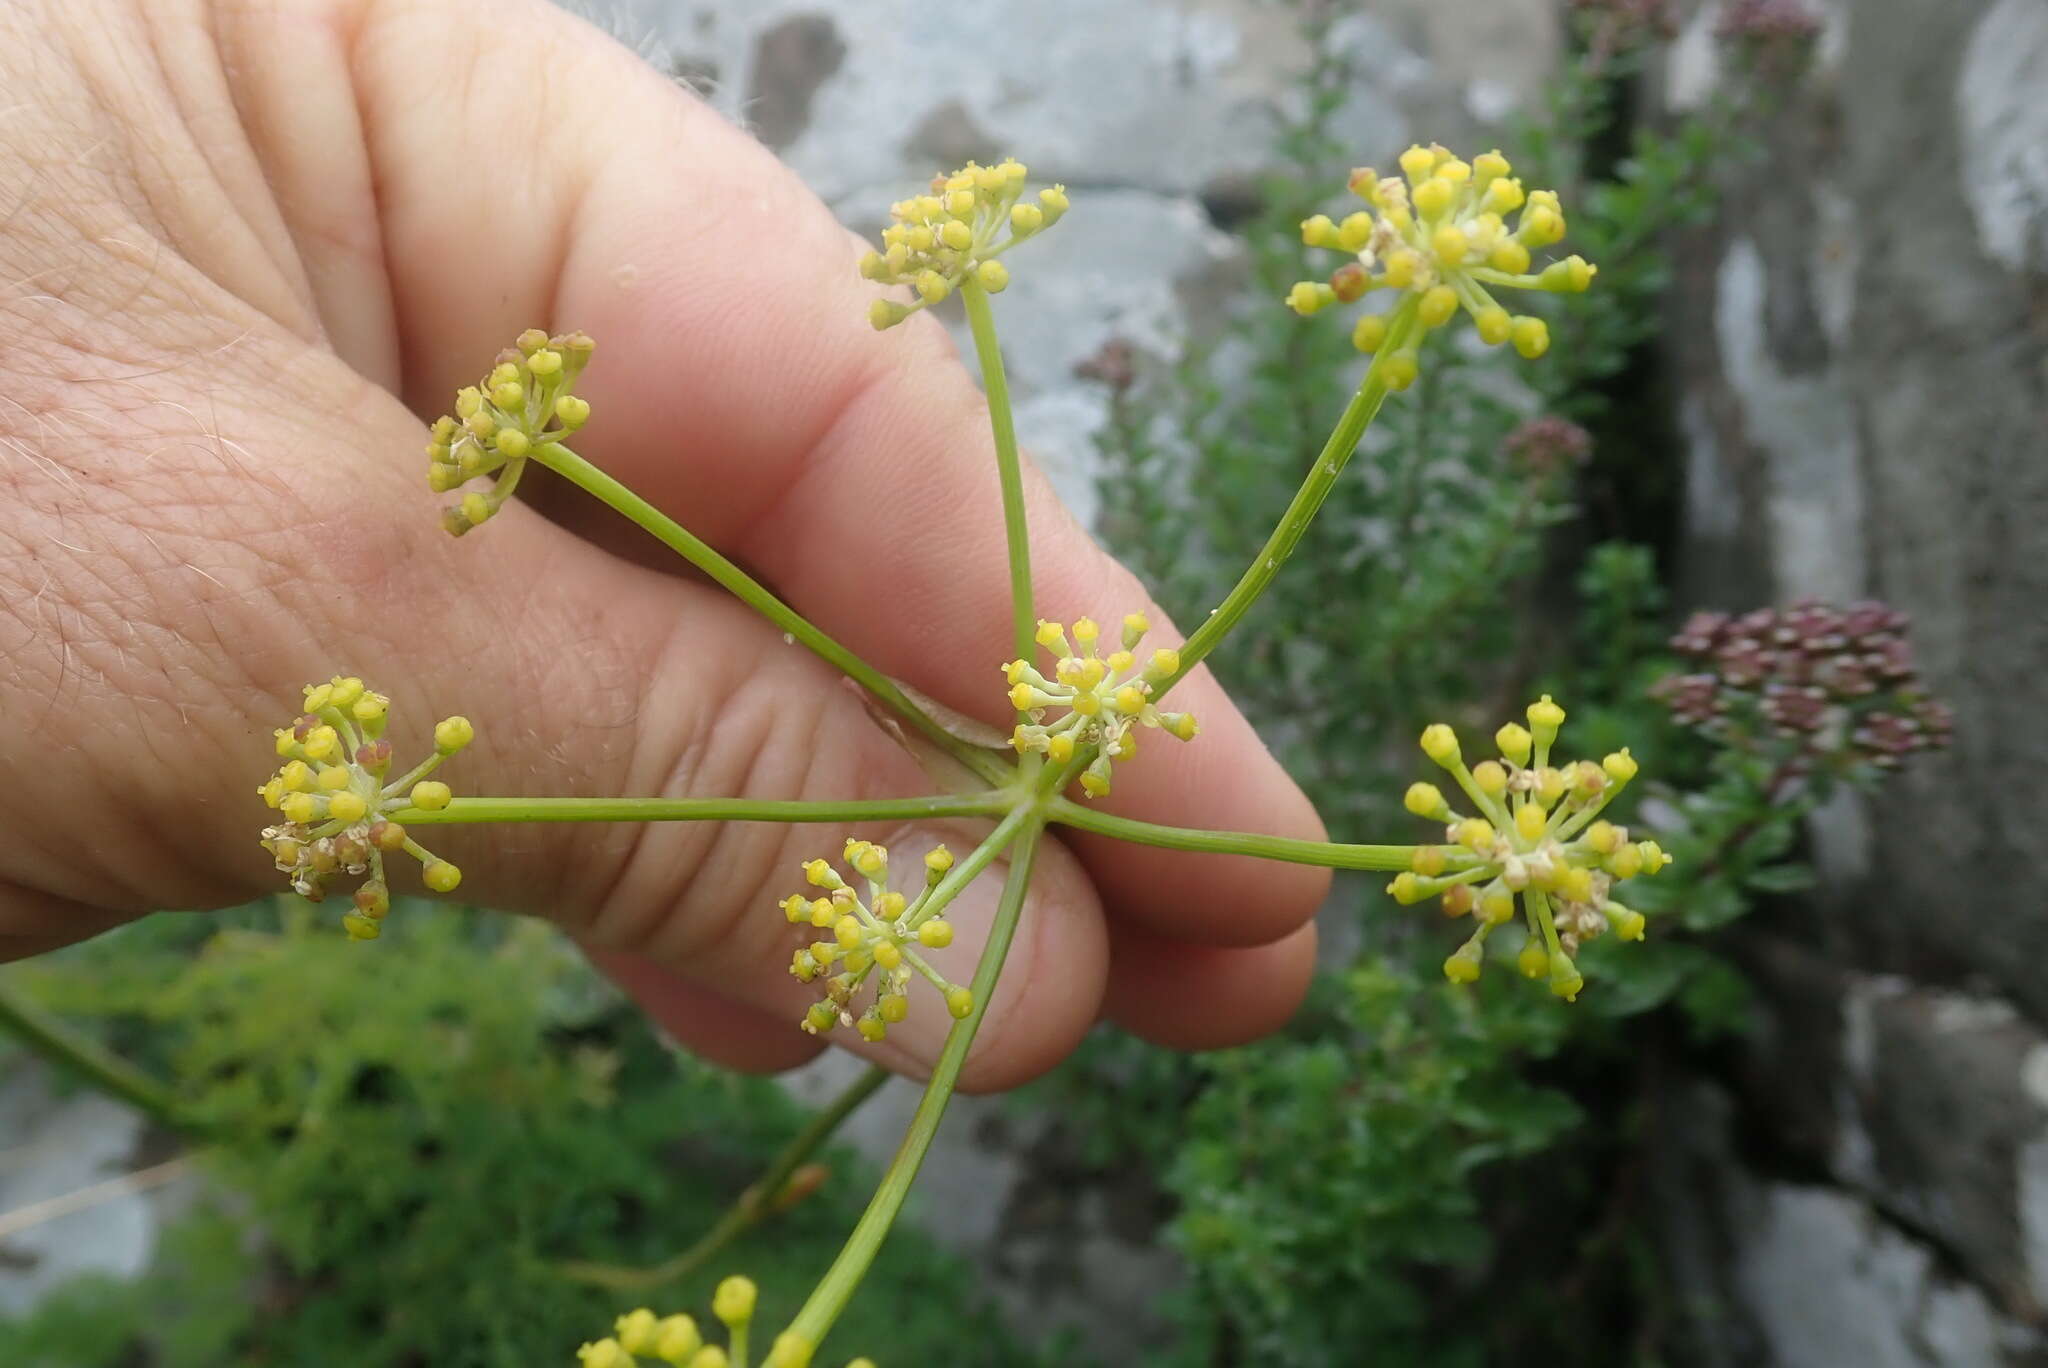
(248,248)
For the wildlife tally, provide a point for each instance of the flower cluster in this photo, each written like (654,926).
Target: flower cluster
(676,1340)
(334,796)
(1537,838)
(876,936)
(499,422)
(969,219)
(1546,446)
(1100,699)
(1440,238)
(1614,26)
(1830,688)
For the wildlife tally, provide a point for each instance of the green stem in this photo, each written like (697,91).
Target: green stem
(75,1054)
(1009,468)
(463,811)
(743,1215)
(751,592)
(830,1296)
(1322,477)
(1328,854)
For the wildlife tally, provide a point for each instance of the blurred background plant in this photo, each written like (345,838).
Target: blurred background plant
(409,1143)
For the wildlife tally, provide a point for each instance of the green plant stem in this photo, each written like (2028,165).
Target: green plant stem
(1321,479)
(755,595)
(831,1294)
(1328,854)
(981,322)
(463,811)
(75,1054)
(743,1215)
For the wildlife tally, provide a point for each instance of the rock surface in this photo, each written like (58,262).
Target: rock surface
(1862,352)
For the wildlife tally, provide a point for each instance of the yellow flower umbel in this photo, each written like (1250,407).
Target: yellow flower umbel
(969,219)
(875,937)
(499,422)
(676,1340)
(1538,839)
(1099,699)
(1440,238)
(333,794)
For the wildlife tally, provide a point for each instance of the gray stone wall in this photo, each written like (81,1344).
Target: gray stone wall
(1862,347)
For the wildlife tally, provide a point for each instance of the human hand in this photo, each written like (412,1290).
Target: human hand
(247,246)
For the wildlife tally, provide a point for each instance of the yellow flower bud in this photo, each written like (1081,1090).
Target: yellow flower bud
(1426,800)
(1406,889)
(431,795)
(1530,821)
(1418,161)
(1440,744)
(1534,961)
(1493,324)
(1496,906)
(734,1300)
(1026,219)
(1433,197)
(1628,923)
(1450,244)
(1318,231)
(1355,231)
(1427,861)
(1531,336)
(441,876)
(1463,964)
(1564,977)
(1369,332)
(605,1353)
(960,1002)
(452,734)
(935,934)
(1514,744)
(636,1331)
(993,276)
(347,807)
(676,1339)
(1310,297)
(886,313)
(932,287)
(1620,766)
(1439,304)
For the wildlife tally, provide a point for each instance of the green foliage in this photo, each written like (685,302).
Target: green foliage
(1325,1178)
(422,1128)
